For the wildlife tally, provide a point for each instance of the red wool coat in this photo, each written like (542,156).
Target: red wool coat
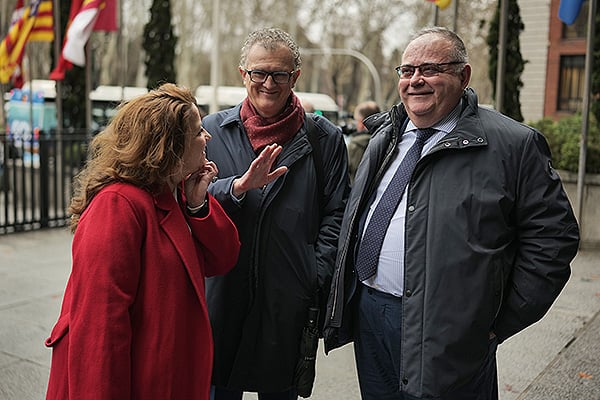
(134,323)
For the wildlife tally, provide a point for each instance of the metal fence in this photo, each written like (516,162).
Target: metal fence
(36,177)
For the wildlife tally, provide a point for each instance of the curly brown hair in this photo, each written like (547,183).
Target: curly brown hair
(143,145)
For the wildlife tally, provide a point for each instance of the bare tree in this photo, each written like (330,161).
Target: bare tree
(379,29)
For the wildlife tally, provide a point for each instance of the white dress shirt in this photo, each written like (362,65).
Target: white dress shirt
(389,277)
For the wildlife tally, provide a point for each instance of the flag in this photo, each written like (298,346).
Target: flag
(31,23)
(107,19)
(85,16)
(441,4)
(43,28)
(568,10)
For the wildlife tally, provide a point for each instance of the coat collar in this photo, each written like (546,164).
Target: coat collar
(232,115)
(173,223)
(467,133)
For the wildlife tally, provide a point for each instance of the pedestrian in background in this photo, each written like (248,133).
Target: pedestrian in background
(458,234)
(360,139)
(288,215)
(134,323)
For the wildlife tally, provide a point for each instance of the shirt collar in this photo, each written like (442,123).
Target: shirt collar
(446,124)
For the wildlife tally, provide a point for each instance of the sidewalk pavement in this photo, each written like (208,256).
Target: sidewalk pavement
(557,358)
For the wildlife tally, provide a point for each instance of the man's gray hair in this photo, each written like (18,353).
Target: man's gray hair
(458,52)
(271,39)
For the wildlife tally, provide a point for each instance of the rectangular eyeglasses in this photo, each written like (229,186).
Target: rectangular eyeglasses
(406,71)
(260,76)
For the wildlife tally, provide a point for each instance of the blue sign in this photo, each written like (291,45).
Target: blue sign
(26,119)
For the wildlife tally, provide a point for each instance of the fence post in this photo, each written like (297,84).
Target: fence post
(44,175)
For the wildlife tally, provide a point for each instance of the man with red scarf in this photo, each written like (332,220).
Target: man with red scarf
(269,186)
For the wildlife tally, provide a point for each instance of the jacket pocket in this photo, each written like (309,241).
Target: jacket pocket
(59,331)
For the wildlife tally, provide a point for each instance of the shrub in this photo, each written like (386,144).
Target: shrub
(564,136)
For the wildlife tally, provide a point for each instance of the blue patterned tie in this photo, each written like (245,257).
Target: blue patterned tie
(372,240)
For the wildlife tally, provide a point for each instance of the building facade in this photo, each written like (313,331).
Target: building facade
(554,76)
(565,71)
(535,15)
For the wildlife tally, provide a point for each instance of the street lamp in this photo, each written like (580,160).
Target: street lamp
(364,59)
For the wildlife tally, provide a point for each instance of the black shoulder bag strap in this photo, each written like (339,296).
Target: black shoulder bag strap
(304,375)
(313,138)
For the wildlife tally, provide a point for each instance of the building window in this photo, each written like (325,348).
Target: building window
(572,76)
(578,30)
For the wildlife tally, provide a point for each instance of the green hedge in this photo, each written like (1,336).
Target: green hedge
(564,139)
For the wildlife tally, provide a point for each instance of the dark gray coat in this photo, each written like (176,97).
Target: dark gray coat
(490,235)
(258,310)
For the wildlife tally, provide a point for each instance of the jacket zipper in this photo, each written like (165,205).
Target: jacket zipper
(379,173)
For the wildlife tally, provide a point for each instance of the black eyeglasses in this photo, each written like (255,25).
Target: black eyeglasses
(406,71)
(260,76)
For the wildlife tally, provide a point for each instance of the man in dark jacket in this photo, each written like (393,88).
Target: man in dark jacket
(477,249)
(287,215)
(360,139)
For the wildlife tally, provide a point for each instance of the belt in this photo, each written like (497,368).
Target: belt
(378,293)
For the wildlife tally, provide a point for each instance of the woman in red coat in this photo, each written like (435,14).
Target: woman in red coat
(134,323)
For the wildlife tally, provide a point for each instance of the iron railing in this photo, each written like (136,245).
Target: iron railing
(36,179)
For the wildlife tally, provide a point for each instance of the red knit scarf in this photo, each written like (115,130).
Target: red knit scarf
(279,129)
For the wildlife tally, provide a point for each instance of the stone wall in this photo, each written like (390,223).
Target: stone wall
(589,221)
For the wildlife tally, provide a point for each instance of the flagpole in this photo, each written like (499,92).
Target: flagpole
(2,118)
(121,50)
(3,15)
(500,69)
(2,87)
(88,88)
(31,91)
(215,64)
(585,114)
(455,21)
(57,48)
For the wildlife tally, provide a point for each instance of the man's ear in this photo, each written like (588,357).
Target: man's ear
(465,75)
(295,77)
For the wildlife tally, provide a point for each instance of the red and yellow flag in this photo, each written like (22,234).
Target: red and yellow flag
(31,23)
(85,16)
(441,4)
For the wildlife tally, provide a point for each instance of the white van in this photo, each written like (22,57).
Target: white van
(230,96)
(104,98)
